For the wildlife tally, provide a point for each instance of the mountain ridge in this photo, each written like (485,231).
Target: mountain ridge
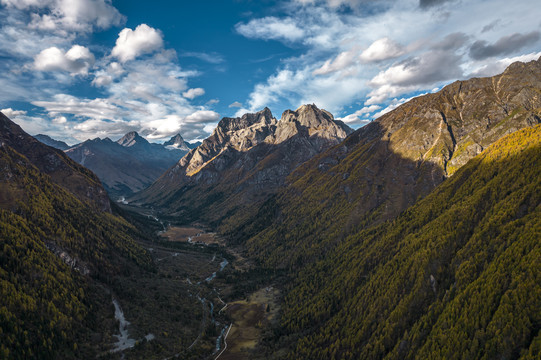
(126,165)
(386,166)
(244,160)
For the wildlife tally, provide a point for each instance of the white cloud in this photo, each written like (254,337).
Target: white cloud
(24,4)
(10,113)
(203,116)
(193,93)
(70,15)
(382,49)
(355,117)
(498,66)
(271,28)
(342,61)
(60,120)
(67,104)
(414,73)
(133,43)
(77,60)
(235,104)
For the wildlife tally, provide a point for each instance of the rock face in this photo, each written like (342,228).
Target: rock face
(249,156)
(53,162)
(127,165)
(457,123)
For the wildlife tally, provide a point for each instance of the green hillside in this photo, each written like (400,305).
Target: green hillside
(456,276)
(48,310)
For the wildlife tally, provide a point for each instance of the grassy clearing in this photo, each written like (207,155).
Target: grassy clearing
(249,318)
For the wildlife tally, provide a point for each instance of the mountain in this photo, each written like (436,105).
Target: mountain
(63,171)
(127,165)
(454,276)
(244,161)
(177,142)
(58,238)
(386,166)
(47,140)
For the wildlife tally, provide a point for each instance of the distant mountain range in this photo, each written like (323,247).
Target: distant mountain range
(244,161)
(127,165)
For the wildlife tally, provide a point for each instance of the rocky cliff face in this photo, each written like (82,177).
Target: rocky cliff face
(249,156)
(63,171)
(452,126)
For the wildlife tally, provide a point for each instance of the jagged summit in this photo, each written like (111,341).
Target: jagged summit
(244,133)
(253,154)
(263,117)
(177,142)
(132,138)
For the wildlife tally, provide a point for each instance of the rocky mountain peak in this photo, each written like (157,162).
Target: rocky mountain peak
(131,139)
(177,142)
(261,118)
(310,121)
(309,116)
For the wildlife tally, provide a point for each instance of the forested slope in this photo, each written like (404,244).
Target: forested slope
(455,276)
(56,251)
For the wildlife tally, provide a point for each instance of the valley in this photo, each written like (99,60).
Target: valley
(416,236)
(196,265)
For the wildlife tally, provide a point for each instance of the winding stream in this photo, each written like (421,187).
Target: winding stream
(124,342)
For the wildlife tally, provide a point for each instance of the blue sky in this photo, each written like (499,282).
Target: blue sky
(79,69)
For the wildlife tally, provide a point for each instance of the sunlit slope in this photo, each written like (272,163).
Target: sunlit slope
(458,275)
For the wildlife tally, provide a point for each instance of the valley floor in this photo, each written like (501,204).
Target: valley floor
(203,301)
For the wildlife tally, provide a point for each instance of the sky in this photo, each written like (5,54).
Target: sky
(81,69)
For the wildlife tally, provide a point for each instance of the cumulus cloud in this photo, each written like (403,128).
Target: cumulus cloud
(10,113)
(203,116)
(69,15)
(133,43)
(408,75)
(382,49)
(77,60)
(193,93)
(355,117)
(481,49)
(271,28)
(60,120)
